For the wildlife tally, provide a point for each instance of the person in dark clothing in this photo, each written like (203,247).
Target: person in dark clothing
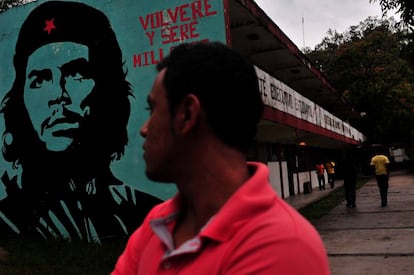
(350,176)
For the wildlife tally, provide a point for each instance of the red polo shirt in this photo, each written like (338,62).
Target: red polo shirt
(255,232)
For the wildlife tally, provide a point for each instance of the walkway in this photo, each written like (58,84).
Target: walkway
(370,239)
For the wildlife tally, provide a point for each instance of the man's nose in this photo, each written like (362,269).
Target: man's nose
(62,97)
(144,129)
(57,108)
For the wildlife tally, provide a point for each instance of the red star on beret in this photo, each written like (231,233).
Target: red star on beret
(50,25)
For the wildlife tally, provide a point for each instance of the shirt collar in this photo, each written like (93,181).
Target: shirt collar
(254,196)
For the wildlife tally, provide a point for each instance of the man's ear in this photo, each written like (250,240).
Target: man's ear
(188,113)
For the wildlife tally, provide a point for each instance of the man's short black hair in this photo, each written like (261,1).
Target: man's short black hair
(225,83)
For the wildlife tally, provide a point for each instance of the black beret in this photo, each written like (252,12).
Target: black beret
(57,21)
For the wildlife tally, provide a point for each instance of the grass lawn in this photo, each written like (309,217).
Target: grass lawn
(58,257)
(322,207)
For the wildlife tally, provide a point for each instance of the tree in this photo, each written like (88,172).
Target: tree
(8,4)
(404,7)
(369,65)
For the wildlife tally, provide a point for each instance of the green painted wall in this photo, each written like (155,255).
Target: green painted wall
(146,31)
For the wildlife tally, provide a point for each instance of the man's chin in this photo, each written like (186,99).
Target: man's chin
(58,144)
(158,177)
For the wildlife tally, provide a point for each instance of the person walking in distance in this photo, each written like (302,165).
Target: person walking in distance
(380,163)
(350,177)
(330,169)
(320,172)
(205,105)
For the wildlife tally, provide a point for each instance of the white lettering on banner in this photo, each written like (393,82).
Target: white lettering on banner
(318,115)
(262,86)
(333,122)
(304,108)
(278,95)
(347,130)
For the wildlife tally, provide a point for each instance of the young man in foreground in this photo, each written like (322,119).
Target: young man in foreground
(226,219)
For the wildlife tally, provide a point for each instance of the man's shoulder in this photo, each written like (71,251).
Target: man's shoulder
(385,158)
(282,217)
(282,228)
(382,158)
(375,158)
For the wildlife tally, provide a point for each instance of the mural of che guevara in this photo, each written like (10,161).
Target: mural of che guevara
(66,120)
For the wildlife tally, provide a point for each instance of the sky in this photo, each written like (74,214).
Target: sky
(318,16)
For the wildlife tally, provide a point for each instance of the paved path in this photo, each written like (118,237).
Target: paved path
(370,239)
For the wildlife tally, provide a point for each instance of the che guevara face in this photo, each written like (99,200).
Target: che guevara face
(58,79)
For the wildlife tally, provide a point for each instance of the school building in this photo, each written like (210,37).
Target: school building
(305,119)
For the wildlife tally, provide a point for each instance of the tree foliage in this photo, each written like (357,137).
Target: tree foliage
(404,7)
(8,4)
(371,64)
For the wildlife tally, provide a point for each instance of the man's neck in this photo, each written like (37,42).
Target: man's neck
(208,184)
